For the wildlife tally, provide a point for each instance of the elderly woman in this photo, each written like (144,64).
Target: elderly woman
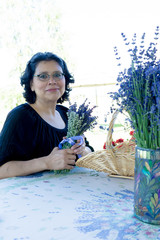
(32,131)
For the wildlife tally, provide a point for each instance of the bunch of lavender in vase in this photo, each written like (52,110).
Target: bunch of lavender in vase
(139,96)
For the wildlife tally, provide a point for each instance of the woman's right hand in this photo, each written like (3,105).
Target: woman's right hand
(60,159)
(56,160)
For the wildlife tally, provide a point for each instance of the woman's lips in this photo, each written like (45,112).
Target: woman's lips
(52,90)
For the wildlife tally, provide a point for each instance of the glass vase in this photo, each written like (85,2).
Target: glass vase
(147,185)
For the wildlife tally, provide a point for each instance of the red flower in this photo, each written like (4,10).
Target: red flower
(119,140)
(104,146)
(131,133)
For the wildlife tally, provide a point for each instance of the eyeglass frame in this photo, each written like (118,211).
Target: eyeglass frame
(49,76)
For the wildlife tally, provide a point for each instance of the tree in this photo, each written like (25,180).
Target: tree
(26,27)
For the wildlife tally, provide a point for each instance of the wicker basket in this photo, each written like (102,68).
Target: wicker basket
(116,161)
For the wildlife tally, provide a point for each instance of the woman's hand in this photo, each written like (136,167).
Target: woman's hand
(60,159)
(79,147)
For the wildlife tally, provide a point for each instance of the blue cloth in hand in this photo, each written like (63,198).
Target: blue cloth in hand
(72,141)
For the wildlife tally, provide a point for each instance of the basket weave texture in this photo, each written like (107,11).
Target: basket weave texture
(117,160)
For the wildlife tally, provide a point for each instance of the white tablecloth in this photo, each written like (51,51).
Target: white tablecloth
(80,205)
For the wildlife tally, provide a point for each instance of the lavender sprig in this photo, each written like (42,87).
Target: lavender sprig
(80,119)
(139,92)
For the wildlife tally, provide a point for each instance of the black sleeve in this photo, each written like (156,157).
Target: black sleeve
(87,145)
(17,137)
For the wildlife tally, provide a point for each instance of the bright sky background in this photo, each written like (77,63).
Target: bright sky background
(93,28)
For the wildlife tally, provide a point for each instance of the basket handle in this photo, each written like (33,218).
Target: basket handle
(110,130)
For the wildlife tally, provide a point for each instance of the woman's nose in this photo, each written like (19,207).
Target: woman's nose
(52,80)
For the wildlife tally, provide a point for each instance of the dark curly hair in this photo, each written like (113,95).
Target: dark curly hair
(28,74)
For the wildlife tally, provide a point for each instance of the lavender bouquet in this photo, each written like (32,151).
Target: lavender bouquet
(80,120)
(139,91)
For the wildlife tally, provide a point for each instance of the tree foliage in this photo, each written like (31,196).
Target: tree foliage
(27,27)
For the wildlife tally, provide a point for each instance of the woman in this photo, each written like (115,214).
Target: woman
(32,131)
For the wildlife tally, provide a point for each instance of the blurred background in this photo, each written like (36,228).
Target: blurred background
(84,33)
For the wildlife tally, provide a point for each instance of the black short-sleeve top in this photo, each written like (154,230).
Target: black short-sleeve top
(25,135)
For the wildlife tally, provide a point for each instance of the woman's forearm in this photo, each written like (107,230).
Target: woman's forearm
(56,160)
(22,168)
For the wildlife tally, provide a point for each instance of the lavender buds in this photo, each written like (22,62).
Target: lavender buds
(80,119)
(139,92)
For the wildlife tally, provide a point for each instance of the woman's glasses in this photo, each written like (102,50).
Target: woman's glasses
(44,77)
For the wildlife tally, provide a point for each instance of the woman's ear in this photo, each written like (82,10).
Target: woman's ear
(31,86)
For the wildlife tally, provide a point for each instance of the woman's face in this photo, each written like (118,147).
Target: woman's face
(48,82)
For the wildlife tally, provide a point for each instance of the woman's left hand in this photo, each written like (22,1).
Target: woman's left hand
(79,148)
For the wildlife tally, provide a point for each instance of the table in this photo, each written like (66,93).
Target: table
(80,205)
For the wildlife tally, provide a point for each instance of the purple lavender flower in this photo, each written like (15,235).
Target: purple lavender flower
(80,119)
(139,91)
(158,193)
